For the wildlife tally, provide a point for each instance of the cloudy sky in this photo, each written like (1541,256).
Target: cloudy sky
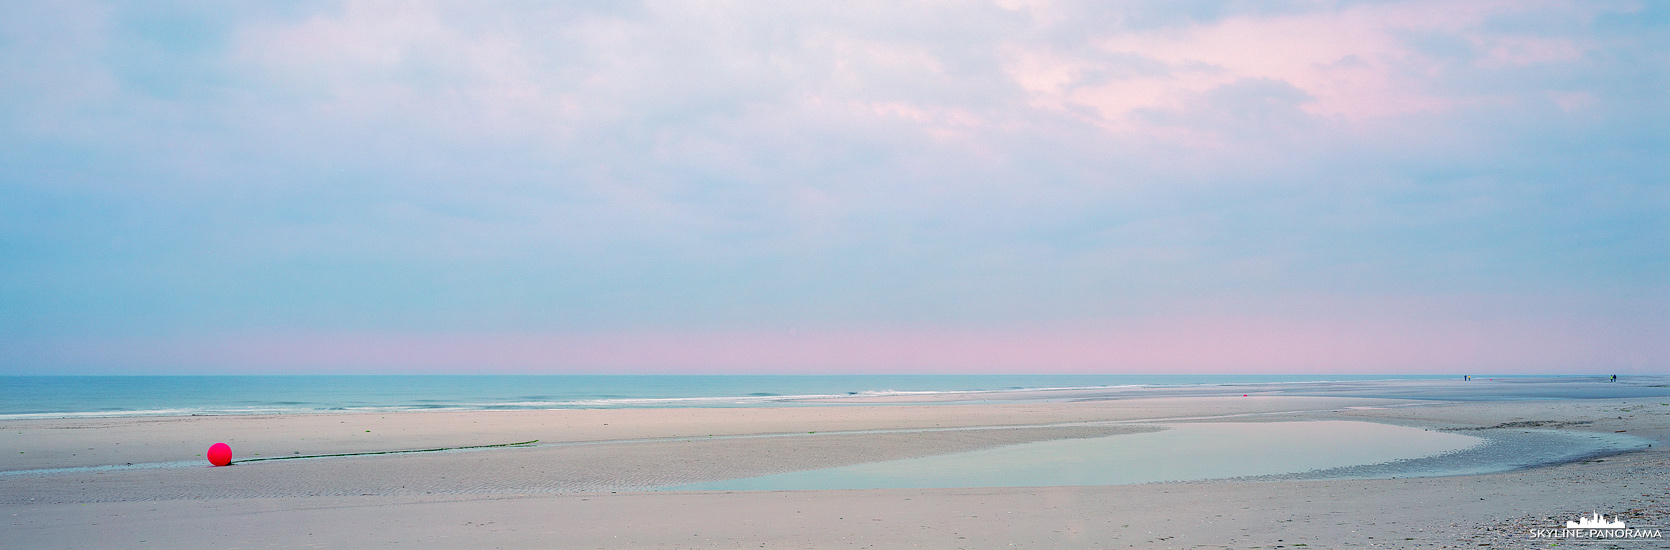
(1005,186)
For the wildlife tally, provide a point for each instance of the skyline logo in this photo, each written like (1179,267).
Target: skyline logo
(1597,526)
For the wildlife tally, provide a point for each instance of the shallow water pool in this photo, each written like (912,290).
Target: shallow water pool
(1182,452)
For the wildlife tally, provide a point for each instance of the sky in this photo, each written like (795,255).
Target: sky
(959,187)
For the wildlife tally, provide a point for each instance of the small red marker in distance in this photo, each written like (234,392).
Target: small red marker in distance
(220,454)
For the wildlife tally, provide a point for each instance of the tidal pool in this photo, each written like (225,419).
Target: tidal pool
(1182,452)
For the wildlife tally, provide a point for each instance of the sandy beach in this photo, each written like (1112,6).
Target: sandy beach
(588,481)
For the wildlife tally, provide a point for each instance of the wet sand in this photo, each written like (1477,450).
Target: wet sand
(582,485)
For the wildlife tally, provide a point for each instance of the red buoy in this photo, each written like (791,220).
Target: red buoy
(220,454)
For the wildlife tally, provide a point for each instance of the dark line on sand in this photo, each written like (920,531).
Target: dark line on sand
(390,452)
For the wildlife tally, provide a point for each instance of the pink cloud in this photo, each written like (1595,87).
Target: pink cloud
(1353,61)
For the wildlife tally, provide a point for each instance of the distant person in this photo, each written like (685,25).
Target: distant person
(1465,378)
(1614,378)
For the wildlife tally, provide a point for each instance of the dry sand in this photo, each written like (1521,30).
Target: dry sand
(582,485)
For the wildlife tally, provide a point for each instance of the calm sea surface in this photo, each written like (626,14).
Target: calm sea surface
(56,396)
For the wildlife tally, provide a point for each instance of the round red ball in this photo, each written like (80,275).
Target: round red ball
(220,454)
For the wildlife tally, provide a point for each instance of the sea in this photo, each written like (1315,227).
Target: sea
(107,396)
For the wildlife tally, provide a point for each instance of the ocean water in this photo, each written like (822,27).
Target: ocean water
(60,396)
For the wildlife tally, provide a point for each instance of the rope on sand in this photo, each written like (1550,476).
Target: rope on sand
(392,452)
